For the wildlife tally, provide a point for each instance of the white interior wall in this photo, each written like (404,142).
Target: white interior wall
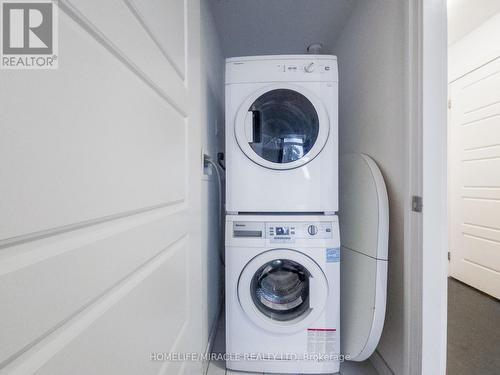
(475,48)
(371,54)
(273,27)
(466,15)
(212,115)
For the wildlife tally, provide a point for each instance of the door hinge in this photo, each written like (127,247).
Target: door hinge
(449,104)
(449,256)
(416,203)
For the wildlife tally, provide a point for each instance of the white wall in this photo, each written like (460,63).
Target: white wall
(475,49)
(274,27)
(371,54)
(100,173)
(212,115)
(466,15)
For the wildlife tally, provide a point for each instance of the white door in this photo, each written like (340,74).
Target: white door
(100,177)
(474,175)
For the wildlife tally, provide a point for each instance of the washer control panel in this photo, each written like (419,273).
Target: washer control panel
(283,231)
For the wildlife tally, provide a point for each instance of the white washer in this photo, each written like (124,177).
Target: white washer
(281,134)
(282,293)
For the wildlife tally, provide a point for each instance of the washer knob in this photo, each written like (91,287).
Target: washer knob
(309,68)
(312,230)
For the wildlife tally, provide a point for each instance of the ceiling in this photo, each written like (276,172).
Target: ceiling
(466,15)
(264,27)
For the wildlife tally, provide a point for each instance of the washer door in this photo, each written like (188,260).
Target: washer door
(282,126)
(282,290)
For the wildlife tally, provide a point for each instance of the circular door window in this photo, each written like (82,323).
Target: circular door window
(282,290)
(282,127)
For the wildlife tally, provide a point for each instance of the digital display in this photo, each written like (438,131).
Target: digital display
(282,231)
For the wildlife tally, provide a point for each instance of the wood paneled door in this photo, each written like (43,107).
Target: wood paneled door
(474,176)
(100,175)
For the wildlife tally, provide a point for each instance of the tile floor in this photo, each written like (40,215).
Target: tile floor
(219,368)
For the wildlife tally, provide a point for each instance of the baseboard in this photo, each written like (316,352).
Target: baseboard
(380,364)
(211,340)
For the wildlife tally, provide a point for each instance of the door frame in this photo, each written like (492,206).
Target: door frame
(426,240)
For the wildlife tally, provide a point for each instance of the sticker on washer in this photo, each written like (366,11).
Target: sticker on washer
(322,341)
(333,255)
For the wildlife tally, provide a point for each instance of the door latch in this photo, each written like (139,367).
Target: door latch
(416,203)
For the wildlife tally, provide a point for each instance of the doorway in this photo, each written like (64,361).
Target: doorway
(473,187)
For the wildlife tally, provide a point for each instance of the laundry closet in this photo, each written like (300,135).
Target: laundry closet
(366,42)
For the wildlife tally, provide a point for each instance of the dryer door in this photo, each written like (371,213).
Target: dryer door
(282,126)
(364,231)
(282,290)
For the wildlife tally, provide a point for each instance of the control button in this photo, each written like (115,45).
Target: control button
(328,230)
(327,68)
(309,68)
(312,230)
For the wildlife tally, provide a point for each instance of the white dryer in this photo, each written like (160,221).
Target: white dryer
(281,134)
(282,293)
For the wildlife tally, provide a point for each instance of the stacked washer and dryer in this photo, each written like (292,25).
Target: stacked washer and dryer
(283,249)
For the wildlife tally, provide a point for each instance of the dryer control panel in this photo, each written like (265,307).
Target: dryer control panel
(283,68)
(283,232)
(286,232)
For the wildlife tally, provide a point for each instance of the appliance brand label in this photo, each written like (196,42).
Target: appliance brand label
(333,255)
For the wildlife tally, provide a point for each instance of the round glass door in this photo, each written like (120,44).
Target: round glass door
(282,127)
(282,290)
(285,126)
